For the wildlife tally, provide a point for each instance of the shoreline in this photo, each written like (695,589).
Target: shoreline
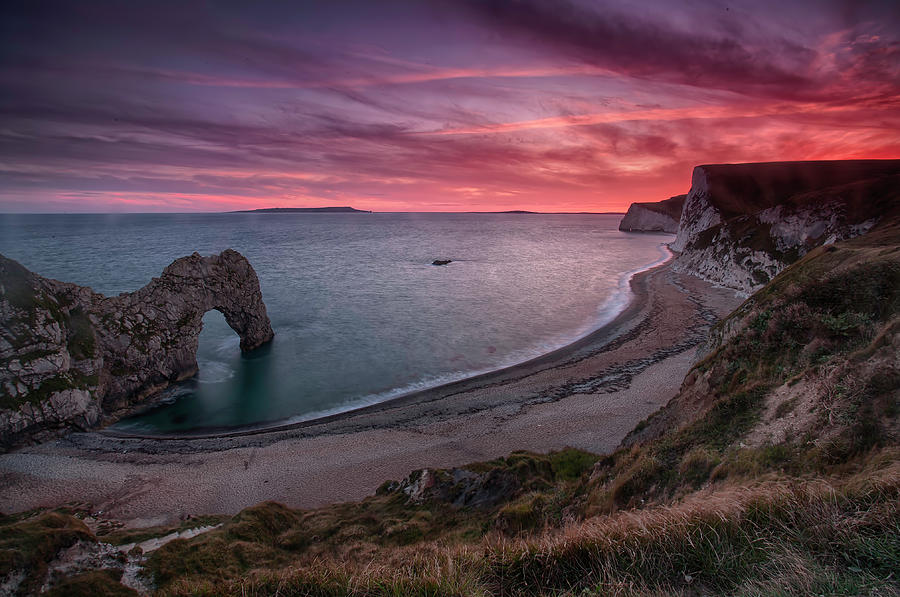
(587,395)
(628,285)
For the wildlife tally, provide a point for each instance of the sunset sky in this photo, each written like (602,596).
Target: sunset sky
(546,105)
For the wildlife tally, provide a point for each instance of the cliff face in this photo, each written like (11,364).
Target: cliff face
(70,357)
(661,216)
(743,223)
(811,361)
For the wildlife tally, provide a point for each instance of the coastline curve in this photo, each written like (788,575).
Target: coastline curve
(618,314)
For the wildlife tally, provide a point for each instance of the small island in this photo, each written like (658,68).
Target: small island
(316,210)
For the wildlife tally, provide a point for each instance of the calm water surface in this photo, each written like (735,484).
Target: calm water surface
(360,314)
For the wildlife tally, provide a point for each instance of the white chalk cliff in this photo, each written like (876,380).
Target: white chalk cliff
(661,216)
(743,223)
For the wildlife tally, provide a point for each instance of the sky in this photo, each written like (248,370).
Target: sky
(452,105)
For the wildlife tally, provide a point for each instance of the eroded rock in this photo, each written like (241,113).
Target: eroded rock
(71,358)
(458,486)
(743,223)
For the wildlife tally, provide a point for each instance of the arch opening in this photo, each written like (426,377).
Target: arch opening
(218,349)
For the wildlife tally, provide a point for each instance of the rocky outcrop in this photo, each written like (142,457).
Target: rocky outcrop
(743,223)
(459,487)
(661,216)
(72,358)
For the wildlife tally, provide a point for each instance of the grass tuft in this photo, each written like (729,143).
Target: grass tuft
(30,541)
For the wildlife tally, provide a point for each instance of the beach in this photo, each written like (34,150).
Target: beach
(588,395)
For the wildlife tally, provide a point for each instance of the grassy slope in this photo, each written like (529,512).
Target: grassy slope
(689,505)
(834,314)
(668,207)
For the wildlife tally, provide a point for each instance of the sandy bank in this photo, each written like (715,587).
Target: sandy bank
(587,395)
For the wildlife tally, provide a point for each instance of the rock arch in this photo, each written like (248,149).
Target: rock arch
(162,321)
(194,285)
(70,357)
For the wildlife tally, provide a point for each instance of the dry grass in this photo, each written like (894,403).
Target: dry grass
(684,508)
(713,540)
(688,511)
(781,536)
(28,541)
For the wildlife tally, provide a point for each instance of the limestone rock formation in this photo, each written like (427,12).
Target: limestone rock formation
(743,223)
(459,487)
(72,358)
(661,216)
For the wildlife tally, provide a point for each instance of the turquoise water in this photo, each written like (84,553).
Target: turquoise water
(360,314)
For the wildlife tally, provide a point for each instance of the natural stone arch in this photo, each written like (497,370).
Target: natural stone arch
(225,283)
(186,290)
(70,357)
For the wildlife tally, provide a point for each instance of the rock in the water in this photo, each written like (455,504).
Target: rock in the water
(661,216)
(441,261)
(71,358)
(743,223)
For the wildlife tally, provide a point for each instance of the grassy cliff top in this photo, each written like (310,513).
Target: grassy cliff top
(743,189)
(670,207)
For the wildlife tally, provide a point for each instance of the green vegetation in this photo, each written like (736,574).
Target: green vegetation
(825,315)
(718,543)
(696,501)
(802,320)
(684,458)
(537,470)
(70,380)
(779,537)
(80,341)
(520,493)
(116,536)
(29,541)
(837,534)
(17,286)
(21,294)
(28,300)
(96,583)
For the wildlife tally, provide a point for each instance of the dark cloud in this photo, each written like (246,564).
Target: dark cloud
(714,53)
(412,101)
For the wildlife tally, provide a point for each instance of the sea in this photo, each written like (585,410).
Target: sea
(360,313)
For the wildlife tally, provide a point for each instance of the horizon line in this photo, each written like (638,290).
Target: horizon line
(162,213)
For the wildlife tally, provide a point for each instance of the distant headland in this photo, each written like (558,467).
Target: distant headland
(281,210)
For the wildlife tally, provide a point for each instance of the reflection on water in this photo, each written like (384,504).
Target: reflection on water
(228,384)
(360,314)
